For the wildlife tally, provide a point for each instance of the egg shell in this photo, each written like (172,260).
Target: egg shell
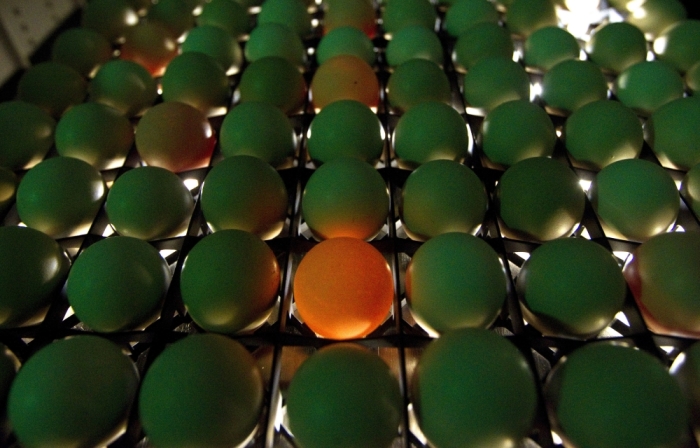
(27,134)
(344,77)
(124,85)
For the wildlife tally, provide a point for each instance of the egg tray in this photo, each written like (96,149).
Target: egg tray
(284,341)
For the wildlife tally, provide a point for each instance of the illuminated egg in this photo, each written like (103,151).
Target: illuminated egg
(175,136)
(345,128)
(52,86)
(229,282)
(345,40)
(690,189)
(470,372)
(216,43)
(483,40)
(416,81)
(572,84)
(548,46)
(673,134)
(343,288)
(455,280)
(125,86)
(515,131)
(345,197)
(429,131)
(8,370)
(356,13)
(635,199)
(495,80)
(27,134)
(603,132)
(76,391)
(151,45)
(274,39)
(344,77)
(442,196)
(8,189)
(597,398)
(196,79)
(464,14)
(246,193)
(291,13)
(83,49)
(685,370)
(344,395)
(653,17)
(34,269)
(273,80)
(400,14)
(617,46)
(231,16)
(646,86)
(663,276)
(97,134)
(60,196)
(240,133)
(149,203)
(571,287)
(175,15)
(524,17)
(117,284)
(414,42)
(692,78)
(111,18)
(220,393)
(540,198)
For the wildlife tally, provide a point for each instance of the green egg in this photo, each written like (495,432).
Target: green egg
(517,130)
(220,396)
(52,86)
(245,193)
(345,40)
(442,196)
(242,133)
(414,42)
(606,395)
(685,370)
(117,284)
(635,199)
(345,128)
(416,81)
(648,85)
(571,287)
(480,41)
(27,134)
(673,134)
(464,14)
(274,39)
(400,14)
(34,269)
(83,49)
(228,15)
(175,15)
(572,84)
(290,13)
(8,189)
(455,280)
(97,134)
(230,281)
(692,78)
(473,372)
(217,44)
(8,370)
(690,189)
(344,395)
(273,80)
(125,86)
(198,80)
(603,132)
(523,17)
(540,198)
(149,203)
(429,131)
(548,46)
(76,391)
(111,18)
(617,46)
(493,81)
(60,196)
(345,197)
(653,17)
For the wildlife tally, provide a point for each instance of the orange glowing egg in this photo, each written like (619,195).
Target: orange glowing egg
(151,45)
(344,77)
(343,288)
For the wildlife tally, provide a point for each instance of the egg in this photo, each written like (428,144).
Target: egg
(416,81)
(572,84)
(548,46)
(8,370)
(274,80)
(232,17)
(358,14)
(344,77)
(125,86)
(175,15)
(653,17)
(690,189)
(151,45)
(617,46)
(83,49)
(414,42)
(198,80)
(401,14)
(216,43)
(274,39)
(8,189)
(483,40)
(345,40)
(52,86)
(685,370)
(111,18)
(291,13)
(523,17)
(646,86)
(673,135)
(493,81)
(28,134)
(465,14)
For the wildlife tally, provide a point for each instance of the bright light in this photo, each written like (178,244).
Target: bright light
(109,230)
(523,255)
(622,255)
(556,439)
(191,184)
(622,318)
(535,91)
(585,185)
(667,348)
(69,313)
(660,44)
(165,253)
